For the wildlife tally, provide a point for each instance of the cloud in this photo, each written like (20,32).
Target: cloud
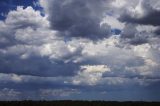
(130,34)
(135,15)
(120,57)
(22,18)
(113,22)
(32,44)
(143,13)
(57,92)
(57,55)
(9,94)
(90,75)
(119,3)
(82,21)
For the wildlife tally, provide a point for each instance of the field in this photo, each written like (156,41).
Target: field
(76,103)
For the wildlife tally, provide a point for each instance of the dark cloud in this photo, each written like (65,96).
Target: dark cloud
(157,32)
(150,15)
(36,66)
(151,19)
(78,18)
(131,35)
(129,31)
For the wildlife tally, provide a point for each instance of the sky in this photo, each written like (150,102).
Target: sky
(80,50)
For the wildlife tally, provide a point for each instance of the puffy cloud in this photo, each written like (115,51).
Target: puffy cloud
(36,36)
(139,59)
(22,18)
(113,22)
(20,44)
(143,13)
(90,75)
(140,18)
(150,61)
(82,21)
(17,20)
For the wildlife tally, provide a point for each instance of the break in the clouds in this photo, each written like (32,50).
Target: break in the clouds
(80,50)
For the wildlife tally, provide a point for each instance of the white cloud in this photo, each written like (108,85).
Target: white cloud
(119,3)
(26,17)
(16,78)
(113,22)
(139,11)
(147,28)
(37,36)
(90,74)
(18,23)
(151,66)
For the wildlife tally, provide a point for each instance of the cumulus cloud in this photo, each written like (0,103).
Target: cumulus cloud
(113,22)
(82,21)
(19,19)
(22,18)
(143,13)
(90,74)
(33,40)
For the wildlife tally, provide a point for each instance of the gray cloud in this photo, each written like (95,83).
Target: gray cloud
(131,35)
(140,13)
(36,66)
(77,18)
(144,13)
(27,48)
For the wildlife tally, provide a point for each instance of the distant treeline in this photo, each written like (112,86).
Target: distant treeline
(76,103)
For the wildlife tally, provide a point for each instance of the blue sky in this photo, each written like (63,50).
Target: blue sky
(8,5)
(80,50)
